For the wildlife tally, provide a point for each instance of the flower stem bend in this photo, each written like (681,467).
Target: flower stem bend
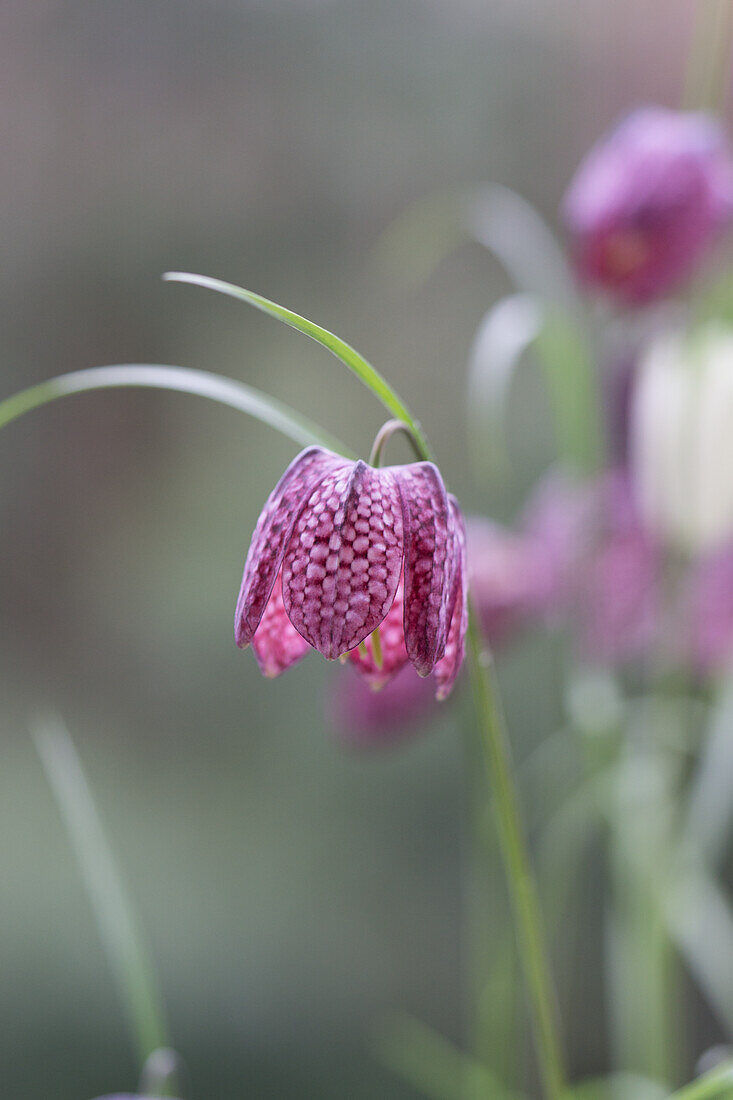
(385,433)
(523,891)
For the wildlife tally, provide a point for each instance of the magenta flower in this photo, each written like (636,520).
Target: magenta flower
(618,599)
(647,201)
(341,549)
(710,609)
(364,718)
(509,575)
(558,526)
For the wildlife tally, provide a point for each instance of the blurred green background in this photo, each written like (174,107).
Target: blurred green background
(293,891)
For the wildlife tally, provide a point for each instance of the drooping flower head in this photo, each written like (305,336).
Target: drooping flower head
(343,548)
(647,201)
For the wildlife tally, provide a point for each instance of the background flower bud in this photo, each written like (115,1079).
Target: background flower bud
(647,201)
(508,577)
(617,597)
(682,438)
(364,718)
(711,612)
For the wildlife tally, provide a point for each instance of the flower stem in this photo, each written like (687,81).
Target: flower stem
(520,879)
(386,432)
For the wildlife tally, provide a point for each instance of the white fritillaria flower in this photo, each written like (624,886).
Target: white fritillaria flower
(682,438)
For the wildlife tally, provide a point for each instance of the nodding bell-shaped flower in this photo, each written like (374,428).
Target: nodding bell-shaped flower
(351,559)
(647,201)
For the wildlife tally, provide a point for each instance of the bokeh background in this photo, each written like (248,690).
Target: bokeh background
(293,891)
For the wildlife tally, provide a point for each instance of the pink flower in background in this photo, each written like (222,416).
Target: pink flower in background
(647,201)
(338,543)
(527,574)
(617,597)
(558,524)
(710,610)
(366,718)
(508,577)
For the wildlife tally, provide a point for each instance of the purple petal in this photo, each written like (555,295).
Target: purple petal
(428,547)
(392,644)
(277,644)
(272,533)
(344,558)
(447,668)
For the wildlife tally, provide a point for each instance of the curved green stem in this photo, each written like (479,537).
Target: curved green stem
(349,356)
(385,433)
(522,887)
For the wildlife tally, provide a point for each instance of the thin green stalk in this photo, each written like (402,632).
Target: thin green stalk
(522,888)
(120,933)
(642,972)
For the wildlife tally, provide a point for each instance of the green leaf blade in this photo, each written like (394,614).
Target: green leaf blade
(567,358)
(125,946)
(351,358)
(716,1085)
(200,383)
(501,340)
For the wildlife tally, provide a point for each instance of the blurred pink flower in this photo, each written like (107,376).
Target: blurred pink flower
(365,717)
(710,610)
(617,595)
(519,575)
(507,575)
(558,524)
(647,201)
(335,544)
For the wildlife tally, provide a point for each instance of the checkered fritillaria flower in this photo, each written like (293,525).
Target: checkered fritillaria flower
(351,559)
